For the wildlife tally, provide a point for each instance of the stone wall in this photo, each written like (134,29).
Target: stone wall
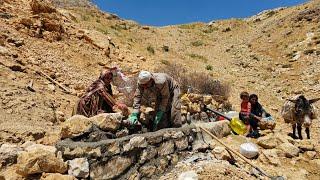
(141,155)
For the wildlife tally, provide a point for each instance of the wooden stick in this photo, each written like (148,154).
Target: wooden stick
(53,81)
(235,152)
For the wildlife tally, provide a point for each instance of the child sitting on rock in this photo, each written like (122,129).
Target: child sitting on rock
(246,116)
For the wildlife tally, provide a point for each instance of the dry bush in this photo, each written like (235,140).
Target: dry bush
(199,82)
(72,3)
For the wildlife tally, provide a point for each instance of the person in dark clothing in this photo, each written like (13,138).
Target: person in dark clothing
(257,112)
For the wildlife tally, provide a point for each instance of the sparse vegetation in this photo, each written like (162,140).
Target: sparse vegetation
(187,26)
(150,49)
(104,31)
(210,29)
(197,43)
(202,82)
(197,56)
(165,62)
(209,67)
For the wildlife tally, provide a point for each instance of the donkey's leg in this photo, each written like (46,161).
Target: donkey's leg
(308,132)
(299,127)
(294,131)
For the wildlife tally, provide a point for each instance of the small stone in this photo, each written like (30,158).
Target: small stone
(178,135)
(51,87)
(147,154)
(189,175)
(166,148)
(310,154)
(147,171)
(207,99)
(270,156)
(174,159)
(60,116)
(163,165)
(135,142)
(113,148)
(9,154)
(182,143)
(221,153)
(289,149)
(79,167)
(4,51)
(56,176)
(135,176)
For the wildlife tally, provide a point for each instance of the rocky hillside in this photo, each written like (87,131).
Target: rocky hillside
(275,54)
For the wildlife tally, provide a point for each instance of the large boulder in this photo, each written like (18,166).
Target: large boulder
(112,169)
(9,154)
(107,121)
(79,167)
(306,145)
(42,6)
(269,142)
(289,150)
(75,126)
(32,146)
(39,161)
(56,176)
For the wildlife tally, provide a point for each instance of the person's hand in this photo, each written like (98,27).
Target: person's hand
(133,118)
(121,106)
(157,119)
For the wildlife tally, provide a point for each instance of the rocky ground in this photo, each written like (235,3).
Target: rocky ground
(274,54)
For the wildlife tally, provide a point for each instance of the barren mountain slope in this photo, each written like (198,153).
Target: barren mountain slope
(275,54)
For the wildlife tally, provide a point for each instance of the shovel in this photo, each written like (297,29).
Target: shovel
(236,124)
(242,157)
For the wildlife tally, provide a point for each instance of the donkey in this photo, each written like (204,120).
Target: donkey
(299,111)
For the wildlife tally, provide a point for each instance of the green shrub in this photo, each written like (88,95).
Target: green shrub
(150,49)
(209,67)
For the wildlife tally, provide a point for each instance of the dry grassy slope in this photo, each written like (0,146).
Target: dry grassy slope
(252,55)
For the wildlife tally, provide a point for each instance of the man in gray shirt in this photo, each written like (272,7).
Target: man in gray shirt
(161,89)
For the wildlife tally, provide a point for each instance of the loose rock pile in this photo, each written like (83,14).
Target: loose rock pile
(191,105)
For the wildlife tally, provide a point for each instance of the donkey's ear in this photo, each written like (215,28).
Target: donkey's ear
(292,100)
(313,100)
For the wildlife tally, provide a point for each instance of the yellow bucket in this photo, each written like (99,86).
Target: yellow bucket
(238,126)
